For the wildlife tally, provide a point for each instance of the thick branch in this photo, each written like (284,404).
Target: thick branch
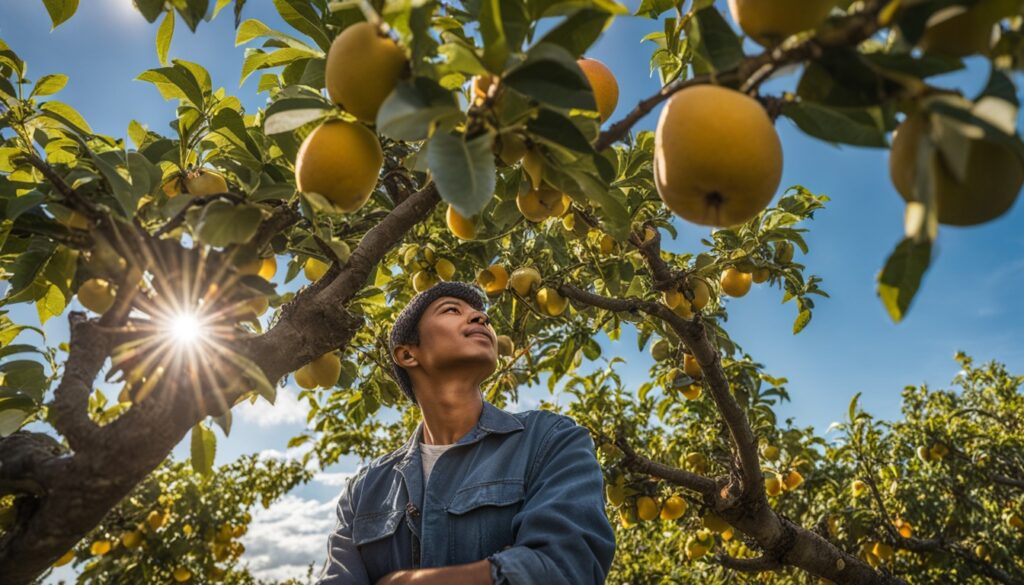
(73,198)
(755,565)
(636,462)
(69,410)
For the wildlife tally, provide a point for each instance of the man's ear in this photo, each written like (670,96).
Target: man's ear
(404,357)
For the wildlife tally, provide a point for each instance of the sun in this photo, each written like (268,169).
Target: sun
(186,328)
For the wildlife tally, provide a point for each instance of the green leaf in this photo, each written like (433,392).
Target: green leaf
(223,223)
(122,190)
(901,277)
(60,10)
(11,416)
(550,75)
(802,319)
(859,127)
(27,376)
(150,9)
(66,115)
(287,114)
(555,128)
(175,83)
(301,15)
(716,47)
(579,31)
(224,422)
(254,29)
(23,271)
(411,110)
(464,171)
(51,304)
(493,35)
(164,34)
(256,60)
(192,11)
(49,85)
(204,447)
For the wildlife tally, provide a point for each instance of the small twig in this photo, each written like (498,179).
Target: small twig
(179,217)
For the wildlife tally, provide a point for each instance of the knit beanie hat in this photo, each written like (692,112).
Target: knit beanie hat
(406,327)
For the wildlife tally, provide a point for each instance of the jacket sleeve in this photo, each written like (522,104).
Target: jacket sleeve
(344,564)
(563,536)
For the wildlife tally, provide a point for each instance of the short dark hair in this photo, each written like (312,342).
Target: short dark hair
(406,331)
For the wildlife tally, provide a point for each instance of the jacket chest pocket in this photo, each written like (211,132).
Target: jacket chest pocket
(480,519)
(381,542)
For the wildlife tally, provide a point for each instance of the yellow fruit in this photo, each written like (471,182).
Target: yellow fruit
(792,480)
(760,275)
(939,451)
(326,369)
(858,487)
(314,269)
(696,462)
(156,519)
(505,345)
(691,366)
(604,85)
(131,539)
(674,507)
(444,268)
(537,205)
(882,550)
(423,280)
(627,516)
(65,558)
(661,350)
(959,31)
(533,166)
(727,534)
(511,148)
(463,227)
(906,530)
(735,283)
(1014,520)
(187,529)
(649,234)
(770,452)
(692,392)
(304,378)
(256,306)
(783,252)
(551,302)
(96,295)
(341,161)
(924,454)
(250,268)
(672,298)
(181,574)
(717,156)
(524,280)
(770,22)
(993,179)
(268,268)
(99,548)
(616,494)
(607,244)
(482,83)
(773,485)
(493,279)
(696,549)
(714,522)
(701,294)
(646,508)
(362,68)
(205,182)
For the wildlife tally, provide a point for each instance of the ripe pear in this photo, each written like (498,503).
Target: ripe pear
(769,22)
(444,268)
(551,302)
(958,31)
(993,180)
(363,67)
(604,85)
(326,369)
(505,345)
(647,508)
(524,280)
(735,283)
(463,227)
(661,350)
(537,205)
(341,161)
(674,507)
(493,279)
(304,378)
(717,156)
(96,295)
(691,366)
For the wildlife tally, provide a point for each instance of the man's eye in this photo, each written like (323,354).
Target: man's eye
(452,308)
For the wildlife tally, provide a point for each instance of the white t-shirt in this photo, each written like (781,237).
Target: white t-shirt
(429,454)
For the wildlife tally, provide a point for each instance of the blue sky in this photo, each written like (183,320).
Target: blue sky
(967,302)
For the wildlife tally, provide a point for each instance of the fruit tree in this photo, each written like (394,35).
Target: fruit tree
(404,143)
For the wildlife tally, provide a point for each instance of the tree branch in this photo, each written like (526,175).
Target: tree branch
(698,483)
(200,201)
(747,565)
(73,198)
(850,31)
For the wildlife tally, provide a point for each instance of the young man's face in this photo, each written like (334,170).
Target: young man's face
(453,337)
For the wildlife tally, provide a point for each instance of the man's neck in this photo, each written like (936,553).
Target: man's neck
(447,421)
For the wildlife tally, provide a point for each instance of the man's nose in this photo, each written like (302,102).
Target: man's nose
(480,317)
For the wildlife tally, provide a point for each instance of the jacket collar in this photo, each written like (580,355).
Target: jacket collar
(493,420)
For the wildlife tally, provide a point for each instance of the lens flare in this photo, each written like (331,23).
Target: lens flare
(186,329)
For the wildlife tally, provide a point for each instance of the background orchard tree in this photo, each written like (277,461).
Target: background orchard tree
(398,148)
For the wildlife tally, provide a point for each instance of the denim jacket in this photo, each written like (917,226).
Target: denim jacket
(522,490)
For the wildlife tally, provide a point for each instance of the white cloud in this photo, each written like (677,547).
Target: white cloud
(338,479)
(289,535)
(287,409)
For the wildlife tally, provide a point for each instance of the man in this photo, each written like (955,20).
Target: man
(477,495)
